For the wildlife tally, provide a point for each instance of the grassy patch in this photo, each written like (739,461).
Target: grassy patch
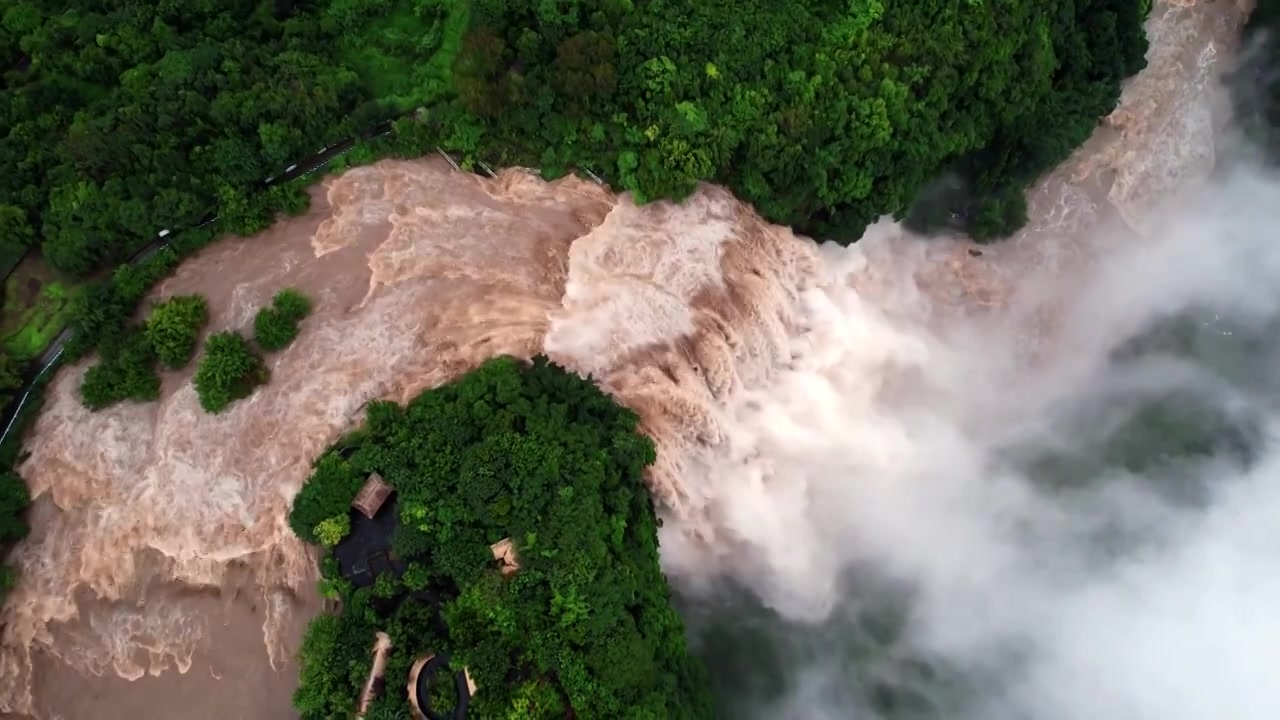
(37,305)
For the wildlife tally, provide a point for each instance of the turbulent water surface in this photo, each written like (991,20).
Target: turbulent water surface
(899,478)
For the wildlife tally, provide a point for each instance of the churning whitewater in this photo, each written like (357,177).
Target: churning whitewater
(927,521)
(912,478)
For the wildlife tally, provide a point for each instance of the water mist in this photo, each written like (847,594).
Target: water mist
(923,520)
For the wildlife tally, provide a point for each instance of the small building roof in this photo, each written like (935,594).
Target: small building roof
(504,551)
(372,496)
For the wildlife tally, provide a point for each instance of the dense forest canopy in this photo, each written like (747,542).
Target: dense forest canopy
(823,114)
(127,118)
(528,453)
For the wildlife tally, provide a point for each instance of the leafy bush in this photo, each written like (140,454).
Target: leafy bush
(335,653)
(127,368)
(823,115)
(275,327)
(539,455)
(386,586)
(14,499)
(174,326)
(331,531)
(10,377)
(327,493)
(127,371)
(228,371)
(416,577)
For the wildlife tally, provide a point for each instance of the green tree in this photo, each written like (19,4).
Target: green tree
(277,326)
(174,326)
(16,234)
(10,377)
(127,371)
(229,371)
(14,499)
(329,661)
(824,116)
(328,492)
(330,531)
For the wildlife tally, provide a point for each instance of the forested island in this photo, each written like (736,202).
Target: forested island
(131,125)
(569,615)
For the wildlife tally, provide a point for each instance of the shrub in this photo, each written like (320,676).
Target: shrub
(228,371)
(327,493)
(8,578)
(125,372)
(174,326)
(275,327)
(416,577)
(330,532)
(334,652)
(14,499)
(386,586)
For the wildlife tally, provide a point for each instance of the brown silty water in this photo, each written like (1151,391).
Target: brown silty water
(161,579)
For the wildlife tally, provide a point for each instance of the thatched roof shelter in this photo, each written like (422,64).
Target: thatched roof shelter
(372,496)
(504,551)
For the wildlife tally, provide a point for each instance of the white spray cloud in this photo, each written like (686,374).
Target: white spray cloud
(928,527)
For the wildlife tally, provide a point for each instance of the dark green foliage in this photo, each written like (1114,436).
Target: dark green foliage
(8,578)
(336,656)
(127,367)
(229,371)
(14,499)
(174,326)
(998,215)
(824,115)
(328,492)
(16,233)
(541,456)
(126,371)
(10,378)
(275,327)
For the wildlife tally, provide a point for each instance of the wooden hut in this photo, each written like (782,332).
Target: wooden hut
(504,551)
(372,496)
